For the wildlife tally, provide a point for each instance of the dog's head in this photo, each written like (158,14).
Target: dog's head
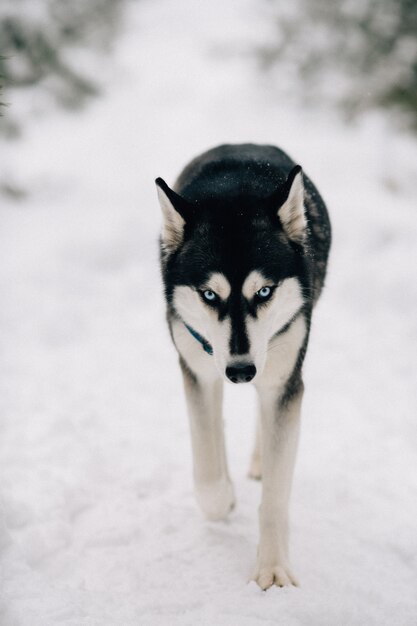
(235,269)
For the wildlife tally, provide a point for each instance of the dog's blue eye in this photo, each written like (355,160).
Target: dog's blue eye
(263,293)
(210,296)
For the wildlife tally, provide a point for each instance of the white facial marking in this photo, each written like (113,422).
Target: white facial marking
(204,319)
(284,303)
(219,284)
(253,282)
(282,356)
(281,308)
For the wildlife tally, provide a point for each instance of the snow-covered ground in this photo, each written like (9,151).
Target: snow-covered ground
(98,521)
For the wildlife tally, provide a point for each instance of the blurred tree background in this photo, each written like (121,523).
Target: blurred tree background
(356,54)
(50,46)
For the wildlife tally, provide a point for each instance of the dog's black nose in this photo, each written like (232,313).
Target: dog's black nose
(241,372)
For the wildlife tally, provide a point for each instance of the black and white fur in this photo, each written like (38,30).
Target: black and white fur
(244,249)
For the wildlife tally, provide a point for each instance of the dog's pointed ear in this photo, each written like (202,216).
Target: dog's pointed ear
(176,212)
(290,206)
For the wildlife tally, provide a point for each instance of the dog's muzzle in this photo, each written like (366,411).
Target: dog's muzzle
(241,372)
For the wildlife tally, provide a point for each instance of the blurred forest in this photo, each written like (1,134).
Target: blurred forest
(40,46)
(355,54)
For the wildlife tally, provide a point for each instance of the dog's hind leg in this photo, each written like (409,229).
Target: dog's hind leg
(213,488)
(280,428)
(255,468)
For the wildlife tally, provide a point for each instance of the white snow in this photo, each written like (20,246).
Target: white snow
(99,524)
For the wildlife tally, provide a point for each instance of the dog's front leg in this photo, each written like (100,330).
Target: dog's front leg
(280,428)
(213,488)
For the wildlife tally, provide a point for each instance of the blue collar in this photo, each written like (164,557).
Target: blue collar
(204,343)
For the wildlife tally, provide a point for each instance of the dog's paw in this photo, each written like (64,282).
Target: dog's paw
(278,575)
(216,499)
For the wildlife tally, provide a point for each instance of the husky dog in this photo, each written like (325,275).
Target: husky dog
(244,247)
